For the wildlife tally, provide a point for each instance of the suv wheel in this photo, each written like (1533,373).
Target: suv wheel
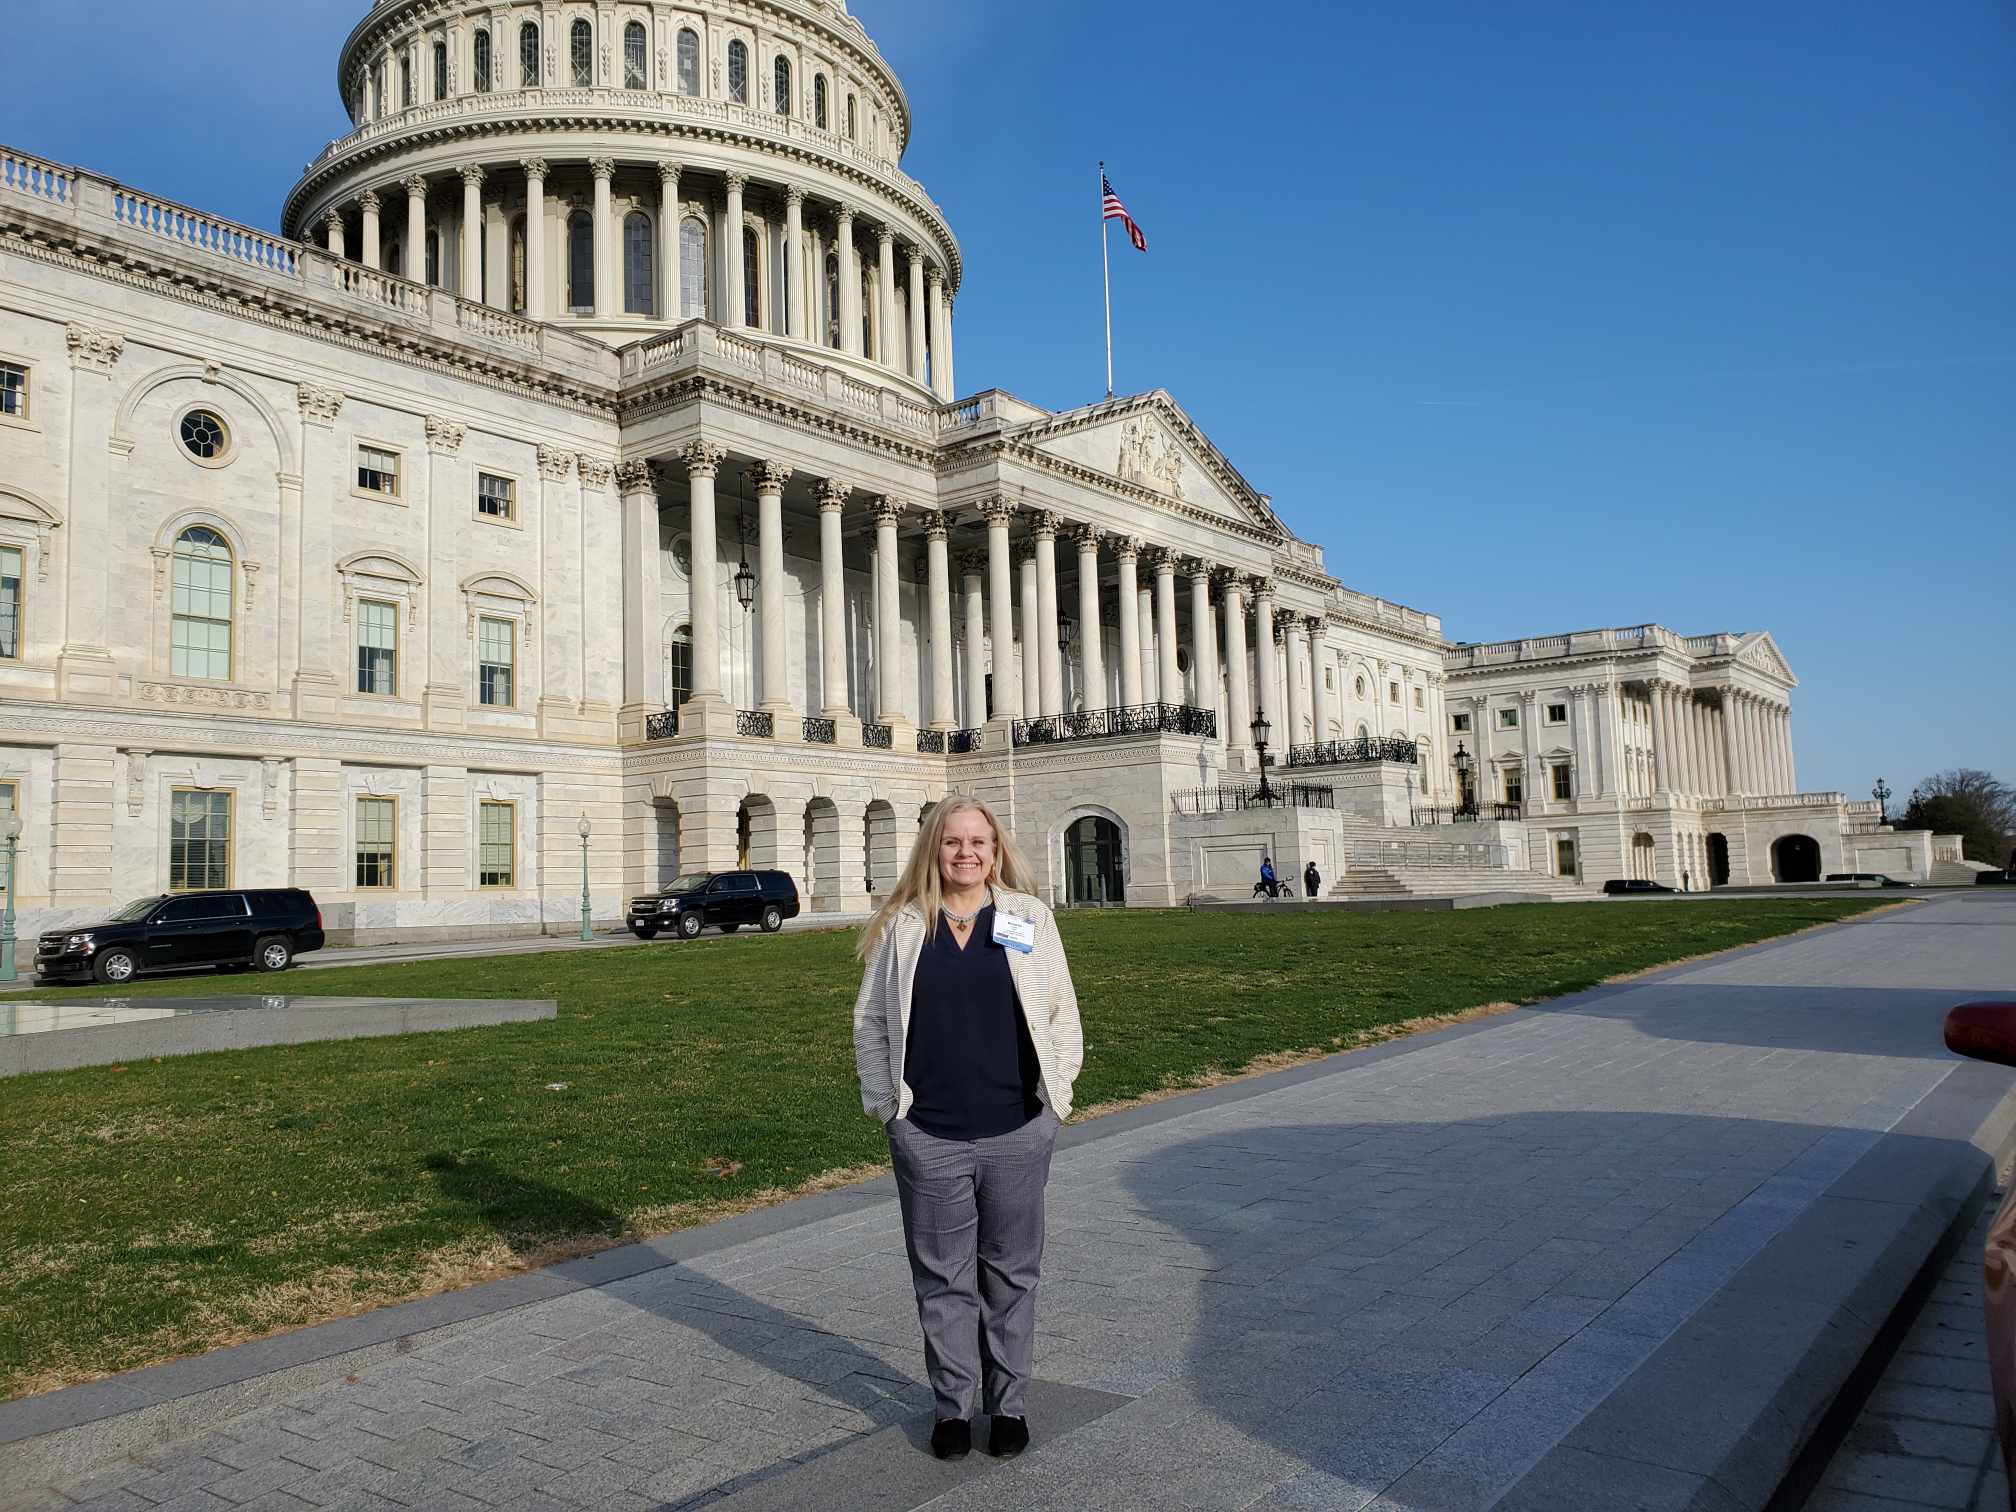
(116,965)
(643,933)
(773,918)
(273,954)
(690,925)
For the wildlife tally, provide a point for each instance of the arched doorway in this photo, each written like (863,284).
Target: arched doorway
(1796,858)
(1644,858)
(878,845)
(665,831)
(756,837)
(822,868)
(1718,859)
(1092,868)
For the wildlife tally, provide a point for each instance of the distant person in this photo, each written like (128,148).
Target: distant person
(966,1042)
(1312,880)
(1267,878)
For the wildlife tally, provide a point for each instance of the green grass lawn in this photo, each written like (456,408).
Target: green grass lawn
(159,1208)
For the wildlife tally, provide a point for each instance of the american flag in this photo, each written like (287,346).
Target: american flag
(1117,211)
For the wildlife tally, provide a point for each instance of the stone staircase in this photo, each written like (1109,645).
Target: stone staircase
(1453,881)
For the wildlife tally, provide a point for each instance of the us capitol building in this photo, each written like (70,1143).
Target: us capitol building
(589,450)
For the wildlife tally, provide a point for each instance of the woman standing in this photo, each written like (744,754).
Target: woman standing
(966,1041)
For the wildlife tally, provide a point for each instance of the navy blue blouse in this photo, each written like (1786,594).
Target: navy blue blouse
(969,1061)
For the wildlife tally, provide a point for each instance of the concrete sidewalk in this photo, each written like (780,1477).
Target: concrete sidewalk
(1617,1252)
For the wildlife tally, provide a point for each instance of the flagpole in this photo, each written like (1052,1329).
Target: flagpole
(1106,266)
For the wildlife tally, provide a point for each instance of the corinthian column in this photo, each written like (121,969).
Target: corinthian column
(368,203)
(1050,660)
(472,234)
(832,600)
(1093,654)
(1032,663)
(944,713)
(1263,656)
(972,572)
(850,287)
(1238,695)
(416,228)
(1168,677)
(738,295)
(1203,637)
(606,301)
(1126,551)
(1318,690)
(535,237)
(770,480)
(888,615)
(794,263)
(671,276)
(703,463)
(332,235)
(1295,643)
(997,512)
(917,352)
(1662,741)
(887,337)
(941,363)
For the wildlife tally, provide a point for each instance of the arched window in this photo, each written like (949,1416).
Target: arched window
(679,667)
(819,101)
(581,52)
(853,120)
(581,262)
(528,55)
(833,299)
(868,348)
(752,275)
(378,105)
(200,642)
(783,85)
(635,72)
(406,83)
(689,61)
(692,268)
(738,72)
(518,301)
(638,279)
(440,70)
(482,46)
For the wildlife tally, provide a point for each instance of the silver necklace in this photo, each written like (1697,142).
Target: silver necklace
(962,920)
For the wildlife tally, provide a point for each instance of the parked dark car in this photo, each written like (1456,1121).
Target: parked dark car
(1994,878)
(263,928)
(1879,878)
(1618,886)
(726,900)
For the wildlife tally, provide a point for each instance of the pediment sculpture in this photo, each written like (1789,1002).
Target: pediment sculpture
(1150,458)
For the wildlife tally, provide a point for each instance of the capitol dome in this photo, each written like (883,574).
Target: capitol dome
(620,168)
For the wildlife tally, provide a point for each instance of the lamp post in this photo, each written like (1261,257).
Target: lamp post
(11,828)
(1261,730)
(1881,793)
(587,925)
(1463,761)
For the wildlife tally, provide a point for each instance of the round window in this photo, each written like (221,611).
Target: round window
(1359,687)
(682,554)
(204,436)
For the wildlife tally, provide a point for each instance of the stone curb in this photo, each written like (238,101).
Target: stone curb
(1745,1402)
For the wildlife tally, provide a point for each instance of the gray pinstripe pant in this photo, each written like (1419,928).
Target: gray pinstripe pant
(973,1225)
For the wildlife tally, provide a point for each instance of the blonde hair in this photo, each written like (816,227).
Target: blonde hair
(923,884)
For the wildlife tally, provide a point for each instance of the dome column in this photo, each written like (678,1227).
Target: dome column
(850,283)
(794,263)
(668,242)
(472,234)
(606,304)
(332,235)
(885,303)
(937,307)
(535,238)
(368,202)
(416,228)
(917,314)
(738,294)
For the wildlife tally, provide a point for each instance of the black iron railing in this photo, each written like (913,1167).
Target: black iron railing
(877,737)
(820,731)
(755,722)
(1237,799)
(661,726)
(930,742)
(1348,752)
(1106,724)
(1468,814)
(964,742)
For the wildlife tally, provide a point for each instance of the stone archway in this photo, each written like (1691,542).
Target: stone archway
(1718,859)
(756,838)
(1094,867)
(882,858)
(665,835)
(1795,858)
(1644,858)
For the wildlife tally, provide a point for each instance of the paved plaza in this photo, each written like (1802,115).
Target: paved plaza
(1616,1252)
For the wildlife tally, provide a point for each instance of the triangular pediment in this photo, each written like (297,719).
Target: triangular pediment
(1148,441)
(1760,651)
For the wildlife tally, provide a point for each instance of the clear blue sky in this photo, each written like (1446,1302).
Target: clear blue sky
(1540,316)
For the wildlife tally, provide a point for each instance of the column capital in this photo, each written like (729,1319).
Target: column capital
(1578,691)
(472,175)
(1529,696)
(703,459)
(936,528)
(886,235)
(554,464)
(736,182)
(997,509)
(936,279)
(445,435)
(415,185)
(770,477)
(668,173)
(369,202)
(1086,537)
(843,217)
(886,511)
(333,223)
(1044,524)
(1025,551)
(1198,567)
(1163,559)
(318,405)
(595,471)
(1263,587)
(832,494)
(1313,624)
(602,167)
(914,256)
(794,197)
(1287,621)
(633,476)
(535,167)
(1128,548)
(973,563)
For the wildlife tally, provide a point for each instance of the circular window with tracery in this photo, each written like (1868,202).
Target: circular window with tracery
(205,437)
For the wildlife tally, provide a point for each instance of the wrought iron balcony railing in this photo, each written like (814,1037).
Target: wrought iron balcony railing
(1349,752)
(820,731)
(931,742)
(964,742)
(661,726)
(756,723)
(1235,799)
(1468,813)
(1107,724)
(877,737)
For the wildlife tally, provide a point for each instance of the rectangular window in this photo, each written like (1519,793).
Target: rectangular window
(1460,723)
(1329,678)
(1515,785)
(1564,856)
(377,647)
(496,497)
(1557,714)
(10,603)
(13,391)
(377,842)
(495,645)
(496,845)
(1418,699)
(1508,719)
(378,471)
(199,841)
(1564,782)
(1392,692)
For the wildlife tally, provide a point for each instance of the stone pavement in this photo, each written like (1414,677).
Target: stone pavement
(1926,1438)
(1590,1256)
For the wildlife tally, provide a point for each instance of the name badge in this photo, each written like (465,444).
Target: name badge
(1014,931)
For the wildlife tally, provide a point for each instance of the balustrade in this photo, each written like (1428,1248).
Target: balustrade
(1236,799)
(32,176)
(204,233)
(820,731)
(965,742)
(755,724)
(1107,724)
(930,742)
(661,726)
(1362,748)
(878,737)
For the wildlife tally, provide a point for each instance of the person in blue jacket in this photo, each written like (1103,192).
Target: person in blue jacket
(1267,878)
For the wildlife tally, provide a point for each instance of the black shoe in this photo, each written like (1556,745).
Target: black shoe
(1008,1437)
(952,1438)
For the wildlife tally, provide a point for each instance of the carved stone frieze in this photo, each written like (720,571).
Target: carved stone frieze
(703,459)
(319,406)
(92,349)
(1148,457)
(204,696)
(554,464)
(595,471)
(886,511)
(444,435)
(832,493)
(634,477)
(770,477)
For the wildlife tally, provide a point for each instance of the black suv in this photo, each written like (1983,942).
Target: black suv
(1624,886)
(262,927)
(731,899)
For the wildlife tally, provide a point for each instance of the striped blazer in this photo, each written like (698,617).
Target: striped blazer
(1042,984)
